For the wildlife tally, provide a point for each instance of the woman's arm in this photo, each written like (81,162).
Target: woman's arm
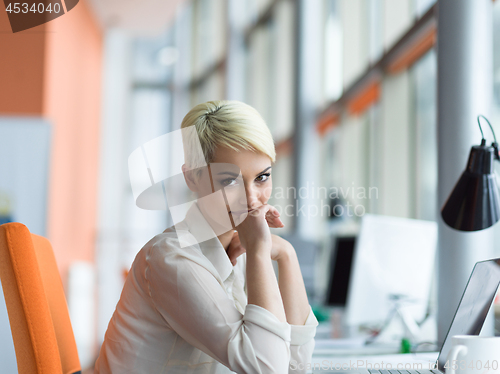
(291,283)
(262,287)
(255,236)
(298,312)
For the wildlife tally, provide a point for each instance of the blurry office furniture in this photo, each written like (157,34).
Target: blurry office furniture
(340,227)
(306,254)
(339,278)
(391,260)
(24,151)
(340,275)
(36,305)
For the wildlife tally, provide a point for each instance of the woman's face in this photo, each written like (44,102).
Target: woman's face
(234,183)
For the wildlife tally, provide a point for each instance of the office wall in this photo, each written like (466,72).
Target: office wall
(53,72)
(21,68)
(72,104)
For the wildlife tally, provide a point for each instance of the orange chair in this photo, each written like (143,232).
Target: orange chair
(36,305)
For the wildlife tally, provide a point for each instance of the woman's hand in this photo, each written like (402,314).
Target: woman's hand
(254,233)
(279,246)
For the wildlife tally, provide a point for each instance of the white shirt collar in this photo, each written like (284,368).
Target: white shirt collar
(211,247)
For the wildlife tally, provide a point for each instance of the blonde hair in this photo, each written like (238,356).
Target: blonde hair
(225,123)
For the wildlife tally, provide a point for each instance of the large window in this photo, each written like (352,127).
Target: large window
(383,115)
(270,69)
(424,85)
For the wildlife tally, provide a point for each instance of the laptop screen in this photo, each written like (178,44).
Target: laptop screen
(474,305)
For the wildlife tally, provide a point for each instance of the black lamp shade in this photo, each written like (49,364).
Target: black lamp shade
(474,203)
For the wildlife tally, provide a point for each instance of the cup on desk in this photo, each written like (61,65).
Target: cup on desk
(471,354)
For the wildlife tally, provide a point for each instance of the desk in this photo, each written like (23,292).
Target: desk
(334,355)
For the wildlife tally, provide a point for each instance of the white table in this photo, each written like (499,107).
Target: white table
(349,354)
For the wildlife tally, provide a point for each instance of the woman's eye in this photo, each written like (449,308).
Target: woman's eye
(263,177)
(228,182)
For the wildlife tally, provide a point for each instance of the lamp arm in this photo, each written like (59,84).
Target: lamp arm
(483,141)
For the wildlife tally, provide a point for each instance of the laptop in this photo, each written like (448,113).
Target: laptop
(469,318)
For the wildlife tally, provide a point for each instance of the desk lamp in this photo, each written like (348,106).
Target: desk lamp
(474,203)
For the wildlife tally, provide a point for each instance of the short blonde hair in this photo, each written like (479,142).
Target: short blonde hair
(225,123)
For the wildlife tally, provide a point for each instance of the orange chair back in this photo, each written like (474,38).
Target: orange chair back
(36,305)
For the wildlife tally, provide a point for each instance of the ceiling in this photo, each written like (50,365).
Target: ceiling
(139,17)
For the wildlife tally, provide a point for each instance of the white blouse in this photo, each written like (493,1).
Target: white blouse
(184,310)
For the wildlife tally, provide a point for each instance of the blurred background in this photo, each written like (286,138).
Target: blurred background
(347,87)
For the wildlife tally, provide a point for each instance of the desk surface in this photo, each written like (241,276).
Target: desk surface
(411,361)
(393,359)
(353,347)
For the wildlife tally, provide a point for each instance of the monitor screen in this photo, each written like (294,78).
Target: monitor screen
(394,258)
(340,271)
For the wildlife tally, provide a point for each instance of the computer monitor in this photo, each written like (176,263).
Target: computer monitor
(340,271)
(392,256)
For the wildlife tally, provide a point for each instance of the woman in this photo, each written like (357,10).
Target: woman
(192,305)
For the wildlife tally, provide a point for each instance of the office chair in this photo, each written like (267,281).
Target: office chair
(36,305)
